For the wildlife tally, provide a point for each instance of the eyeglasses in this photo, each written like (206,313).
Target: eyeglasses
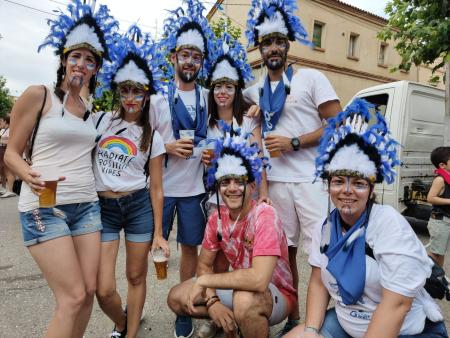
(225,88)
(279,43)
(357,185)
(185,56)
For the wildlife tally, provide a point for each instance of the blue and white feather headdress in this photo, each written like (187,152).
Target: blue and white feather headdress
(229,62)
(82,28)
(136,59)
(274,17)
(188,28)
(235,157)
(352,146)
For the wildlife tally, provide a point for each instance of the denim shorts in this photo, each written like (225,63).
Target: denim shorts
(42,224)
(191,218)
(132,213)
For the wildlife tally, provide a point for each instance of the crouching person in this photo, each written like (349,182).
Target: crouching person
(258,292)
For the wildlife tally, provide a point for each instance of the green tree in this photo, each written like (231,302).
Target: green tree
(421,30)
(105,102)
(6,101)
(222,24)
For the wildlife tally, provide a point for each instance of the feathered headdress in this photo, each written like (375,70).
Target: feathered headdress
(229,62)
(235,157)
(188,28)
(82,29)
(274,17)
(136,58)
(352,146)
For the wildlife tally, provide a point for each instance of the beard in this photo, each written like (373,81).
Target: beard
(276,64)
(188,76)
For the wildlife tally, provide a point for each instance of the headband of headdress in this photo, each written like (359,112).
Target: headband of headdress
(274,17)
(235,157)
(188,29)
(82,28)
(354,145)
(136,59)
(229,62)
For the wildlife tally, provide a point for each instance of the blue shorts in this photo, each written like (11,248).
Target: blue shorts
(332,329)
(191,218)
(132,213)
(42,224)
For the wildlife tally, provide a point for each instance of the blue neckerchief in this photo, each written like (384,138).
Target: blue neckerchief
(272,104)
(347,257)
(182,120)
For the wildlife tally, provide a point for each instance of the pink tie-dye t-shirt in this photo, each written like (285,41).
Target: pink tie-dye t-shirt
(259,234)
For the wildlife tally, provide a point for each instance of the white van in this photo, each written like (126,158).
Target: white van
(416,116)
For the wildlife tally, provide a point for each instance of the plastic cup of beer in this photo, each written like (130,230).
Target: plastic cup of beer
(160,261)
(276,153)
(187,134)
(50,176)
(210,151)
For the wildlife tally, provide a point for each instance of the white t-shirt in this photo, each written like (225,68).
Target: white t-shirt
(188,99)
(309,89)
(4,136)
(118,161)
(401,265)
(181,177)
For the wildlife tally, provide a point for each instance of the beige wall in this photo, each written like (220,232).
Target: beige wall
(347,75)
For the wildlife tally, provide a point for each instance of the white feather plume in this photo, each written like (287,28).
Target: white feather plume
(275,24)
(229,165)
(354,159)
(225,70)
(191,37)
(83,34)
(131,72)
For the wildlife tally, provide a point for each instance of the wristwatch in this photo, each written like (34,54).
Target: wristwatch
(295,142)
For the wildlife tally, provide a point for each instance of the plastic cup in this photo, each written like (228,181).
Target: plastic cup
(210,151)
(187,134)
(276,153)
(50,176)
(160,261)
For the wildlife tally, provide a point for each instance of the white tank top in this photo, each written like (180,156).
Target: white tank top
(67,142)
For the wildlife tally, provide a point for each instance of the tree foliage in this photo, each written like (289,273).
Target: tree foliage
(6,101)
(421,30)
(223,25)
(105,102)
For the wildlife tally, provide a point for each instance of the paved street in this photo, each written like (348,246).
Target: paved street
(26,303)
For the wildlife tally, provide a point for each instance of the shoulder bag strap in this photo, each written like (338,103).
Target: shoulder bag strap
(146,170)
(36,125)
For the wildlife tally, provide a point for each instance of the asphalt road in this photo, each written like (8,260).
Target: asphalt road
(26,303)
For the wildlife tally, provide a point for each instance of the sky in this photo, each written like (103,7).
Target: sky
(23,28)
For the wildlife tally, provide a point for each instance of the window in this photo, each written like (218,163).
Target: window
(352,46)
(317,34)
(382,54)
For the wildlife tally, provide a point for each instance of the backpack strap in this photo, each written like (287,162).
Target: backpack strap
(36,126)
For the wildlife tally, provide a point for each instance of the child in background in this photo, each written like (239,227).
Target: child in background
(439,197)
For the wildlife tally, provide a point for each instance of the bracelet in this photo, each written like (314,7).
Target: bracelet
(311,329)
(212,300)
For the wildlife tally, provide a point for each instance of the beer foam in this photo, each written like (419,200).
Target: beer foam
(159,259)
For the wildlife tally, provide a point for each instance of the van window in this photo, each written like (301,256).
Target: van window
(380,102)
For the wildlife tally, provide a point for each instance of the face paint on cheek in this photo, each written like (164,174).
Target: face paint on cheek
(139,97)
(90,66)
(72,61)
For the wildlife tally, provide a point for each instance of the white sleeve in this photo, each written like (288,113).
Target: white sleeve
(402,259)
(322,90)
(315,255)
(251,94)
(103,122)
(160,117)
(158,145)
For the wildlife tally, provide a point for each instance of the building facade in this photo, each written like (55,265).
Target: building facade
(346,48)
